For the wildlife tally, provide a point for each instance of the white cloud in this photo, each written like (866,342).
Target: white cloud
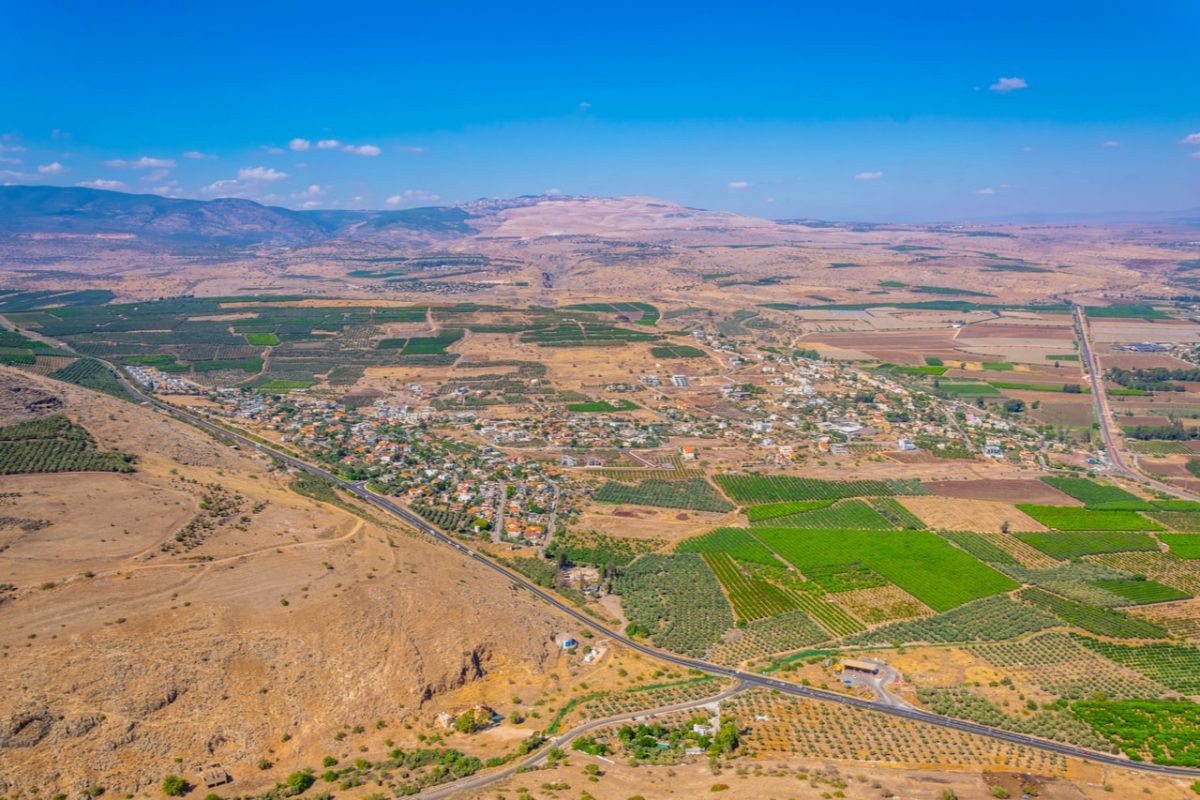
(53,168)
(225,185)
(260,174)
(299,145)
(585,105)
(1111,143)
(413,150)
(738,185)
(1191,138)
(7,160)
(275,151)
(196,155)
(310,204)
(552,192)
(327,144)
(1006,85)
(362,149)
(101,183)
(868,176)
(410,196)
(145,162)
(987,190)
(312,191)
(11,148)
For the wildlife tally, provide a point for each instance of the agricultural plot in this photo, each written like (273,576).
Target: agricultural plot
(753,489)
(676,351)
(1140,591)
(1172,665)
(92,374)
(916,561)
(1068,518)
(1161,731)
(1062,666)
(1181,619)
(734,542)
(882,604)
(1048,722)
(55,444)
(602,406)
(1182,545)
(694,494)
(649,315)
(1161,567)
(1097,495)
(1076,580)
(990,619)
(897,514)
(572,333)
(599,549)
(785,725)
(1188,521)
(1100,621)
(752,597)
(676,601)
(1072,544)
(780,634)
(846,514)
(980,546)
(774,510)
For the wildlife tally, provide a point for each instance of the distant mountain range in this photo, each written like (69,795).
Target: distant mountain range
(51,210)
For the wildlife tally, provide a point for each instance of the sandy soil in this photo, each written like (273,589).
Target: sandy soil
(1015,490)
(959,514)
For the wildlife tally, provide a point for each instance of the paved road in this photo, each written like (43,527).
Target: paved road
(478,782)
(1113,441)
(750,679)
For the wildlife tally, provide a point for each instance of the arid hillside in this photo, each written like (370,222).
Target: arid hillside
(200,611)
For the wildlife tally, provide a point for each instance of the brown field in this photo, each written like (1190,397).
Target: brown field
(1004,490)
(960,514)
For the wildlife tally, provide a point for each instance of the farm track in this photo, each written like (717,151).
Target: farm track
(747,678)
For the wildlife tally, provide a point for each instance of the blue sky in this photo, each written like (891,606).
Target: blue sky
(876,112)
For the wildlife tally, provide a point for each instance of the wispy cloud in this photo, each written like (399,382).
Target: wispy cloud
(267,174)
(1111,143)
(738,185)
(145,162)
(585,105)
(299,145)
(868,176)
(327,144)
(313,190)
(223,186)
(1006,85)
(196,155)
(1191,138)
(412,149)
(987,190)
(53,168)
(101,183)
(1025,149)
(412,196)
(362,149)
(11,148)
(308,205)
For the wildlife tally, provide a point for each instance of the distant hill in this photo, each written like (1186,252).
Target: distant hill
(80,211)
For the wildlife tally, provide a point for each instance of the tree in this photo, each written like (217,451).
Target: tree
(174,786)
(300,781)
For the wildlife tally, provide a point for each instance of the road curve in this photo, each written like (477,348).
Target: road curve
(750,679)
(478,782)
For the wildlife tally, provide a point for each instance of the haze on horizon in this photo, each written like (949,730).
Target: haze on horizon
(772,109)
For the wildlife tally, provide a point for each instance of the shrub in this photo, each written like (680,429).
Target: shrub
(174,786)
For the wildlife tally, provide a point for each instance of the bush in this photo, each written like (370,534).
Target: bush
(300,781)
(174,786)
